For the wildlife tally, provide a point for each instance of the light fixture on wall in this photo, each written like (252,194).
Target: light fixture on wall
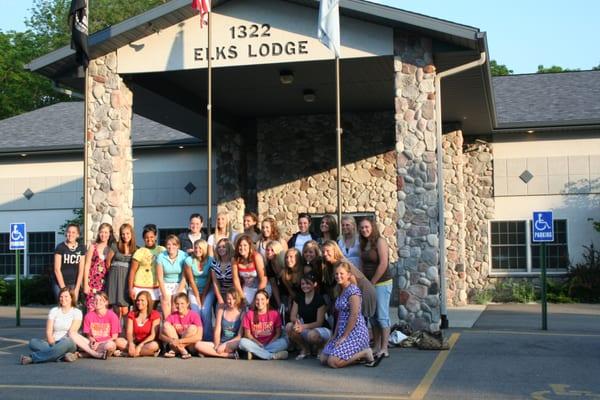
(309,96)
(531,131)
(286,77)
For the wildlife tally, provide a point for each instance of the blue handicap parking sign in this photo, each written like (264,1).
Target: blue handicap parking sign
(543,228)
(17,236)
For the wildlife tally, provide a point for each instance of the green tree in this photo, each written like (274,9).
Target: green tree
(499,69)
(553,69)
(596,68)
(20,90)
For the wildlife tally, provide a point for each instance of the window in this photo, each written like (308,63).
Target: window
(513,251)
(509,245)
(557,254)
(7,257)
(40,252)
(164,232)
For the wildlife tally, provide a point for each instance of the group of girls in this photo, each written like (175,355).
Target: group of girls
(264,294)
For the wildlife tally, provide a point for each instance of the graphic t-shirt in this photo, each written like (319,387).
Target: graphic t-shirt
(63,321)
(182,323)
(100,327)
(145,276)
(264,330)
(142,331)
(69,262)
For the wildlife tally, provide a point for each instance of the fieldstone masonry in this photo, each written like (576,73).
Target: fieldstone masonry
(110,168)
(418,266)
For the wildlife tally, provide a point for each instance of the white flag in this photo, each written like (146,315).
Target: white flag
(329,25)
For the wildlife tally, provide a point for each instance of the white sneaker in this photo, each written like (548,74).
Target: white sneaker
(280,355)
(70,357)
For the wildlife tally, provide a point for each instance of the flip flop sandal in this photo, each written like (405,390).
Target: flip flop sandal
(376,361)
(301,356)
(170,354)
(186,356)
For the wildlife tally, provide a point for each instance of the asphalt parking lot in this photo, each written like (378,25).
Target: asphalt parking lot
(504,355)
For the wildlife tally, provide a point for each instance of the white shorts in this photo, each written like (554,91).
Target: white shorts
(154,292)
(171,288)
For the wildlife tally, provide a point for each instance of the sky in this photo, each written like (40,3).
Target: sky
(522,34)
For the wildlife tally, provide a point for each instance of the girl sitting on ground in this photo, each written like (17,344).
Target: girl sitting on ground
(307,327)
(262,331)
(182,329)
(62,320)
(102,328)
(142,328)
(197,274)
(228,328)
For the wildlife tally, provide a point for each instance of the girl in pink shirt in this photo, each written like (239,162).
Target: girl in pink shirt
(182,329)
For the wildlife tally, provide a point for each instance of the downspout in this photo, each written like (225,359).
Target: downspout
(441,203)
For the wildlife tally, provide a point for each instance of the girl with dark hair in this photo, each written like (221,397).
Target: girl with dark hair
(262,331)
(303,235)
(62,320)
(350,342)
(69,263)
(95,264)
(329,228)
(248,269)
(374,253)
(228,328)
(187,239)
(197,274)
(169,273)
(269,232)
(182,329)
(250,223)
(292,272)
(308,327)
(142,328)
(118,261)
(142,274)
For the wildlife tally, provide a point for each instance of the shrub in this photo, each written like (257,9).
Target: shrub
(557,292)
(483,296)
(34,290)
(3,289)
(514,291)
(584,278)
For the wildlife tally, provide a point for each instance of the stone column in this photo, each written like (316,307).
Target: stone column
(229,181)
(418,230)
(110,167)
(454,216)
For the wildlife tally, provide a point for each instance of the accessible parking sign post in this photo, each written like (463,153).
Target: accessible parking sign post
(543,231)
(18,242)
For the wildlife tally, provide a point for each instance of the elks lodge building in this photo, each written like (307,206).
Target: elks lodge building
(450,161)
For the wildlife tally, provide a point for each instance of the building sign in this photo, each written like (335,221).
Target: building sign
(250,33)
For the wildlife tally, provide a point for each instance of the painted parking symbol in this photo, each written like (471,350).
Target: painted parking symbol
(558,391)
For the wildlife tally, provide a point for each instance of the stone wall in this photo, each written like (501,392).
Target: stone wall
(469,206)
(229,177)
(297,168)
(110,168)
(418,267)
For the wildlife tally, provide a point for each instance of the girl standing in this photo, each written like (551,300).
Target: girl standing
(142,328)
(95,265)
(119,260)
(142,275)
(62,321)
(269,232)
(220,270)
(182,329)
(375,259)
(222,230)
(247,269)
(250,223)
(349,242)
(307,327)
(350,342)
(292,271)
(197,274)
(187,239)
(262,331)
(169,273)
(228,328)
(329,228)
(69,263)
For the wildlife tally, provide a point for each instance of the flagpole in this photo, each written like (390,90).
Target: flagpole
(85,157)
(209,111)
(338,135)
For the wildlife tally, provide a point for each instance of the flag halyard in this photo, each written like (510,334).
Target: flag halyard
(203,7)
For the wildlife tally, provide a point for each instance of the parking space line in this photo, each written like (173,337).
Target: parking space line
(13,340)
(496,332)
(421,390)
(12,346)
(319,395)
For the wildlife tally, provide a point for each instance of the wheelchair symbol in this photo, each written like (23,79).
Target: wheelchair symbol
(541,225)
(16,235)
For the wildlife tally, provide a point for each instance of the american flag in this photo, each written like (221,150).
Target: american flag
(203,6)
